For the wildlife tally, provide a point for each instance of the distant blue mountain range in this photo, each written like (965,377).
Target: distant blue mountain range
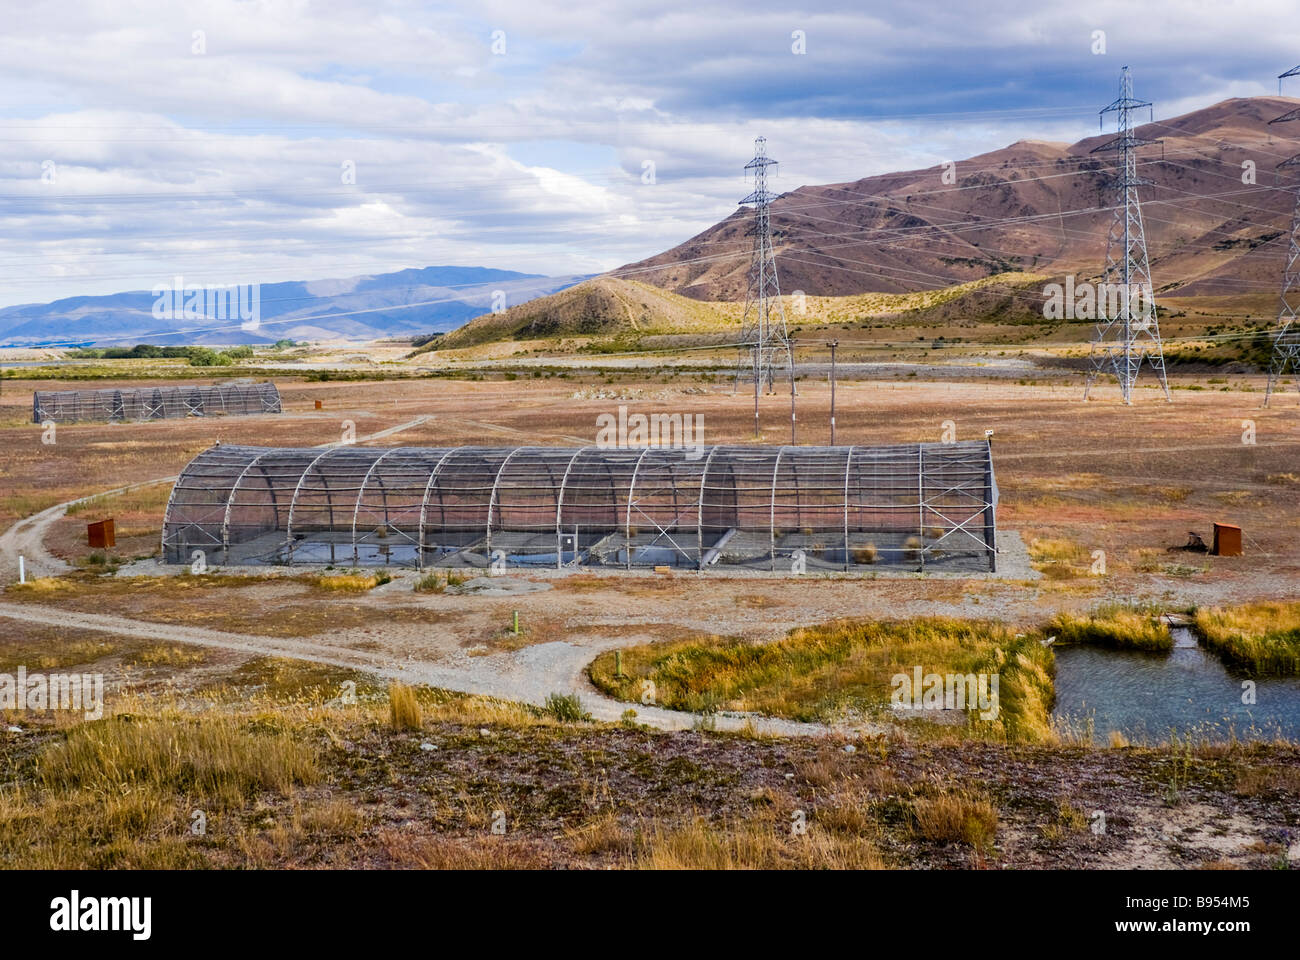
(407,302)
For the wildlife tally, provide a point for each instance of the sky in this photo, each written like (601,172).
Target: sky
(257,141)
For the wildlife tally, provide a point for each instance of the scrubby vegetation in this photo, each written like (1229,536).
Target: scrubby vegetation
(827,672)
(280,769)
(196,356)
(1058,559)
(123,792)
(954,817)
(762,845)
(1262,638)
(351,582)
(566,708)
(150,499)
(141,351)
(1117,627)
(438,581)
(403,708)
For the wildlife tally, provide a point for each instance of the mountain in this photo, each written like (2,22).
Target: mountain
(355,308)
(1033,206)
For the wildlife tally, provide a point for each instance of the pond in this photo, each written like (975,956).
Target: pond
(1154,697)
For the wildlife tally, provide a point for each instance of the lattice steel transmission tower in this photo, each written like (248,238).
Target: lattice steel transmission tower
(763,335)
(1286,342)
(1127,330)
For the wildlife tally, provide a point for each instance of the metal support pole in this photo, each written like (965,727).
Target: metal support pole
(792,416)
(990,521)
(920,499)
(1286,342)
(833,344)
(1123,342)
(762,326)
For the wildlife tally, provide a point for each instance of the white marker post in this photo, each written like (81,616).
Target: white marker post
(22,570)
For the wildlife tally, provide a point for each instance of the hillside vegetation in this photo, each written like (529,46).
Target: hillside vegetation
(609,307)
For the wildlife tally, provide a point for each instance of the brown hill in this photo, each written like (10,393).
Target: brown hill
(604,306)
(1033,206)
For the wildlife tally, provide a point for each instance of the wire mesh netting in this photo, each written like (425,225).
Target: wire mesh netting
(767,508)
(154,403)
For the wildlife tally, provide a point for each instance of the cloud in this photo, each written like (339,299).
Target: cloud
(216,137)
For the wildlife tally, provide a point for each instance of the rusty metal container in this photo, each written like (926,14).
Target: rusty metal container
(1227,540)
(101,534)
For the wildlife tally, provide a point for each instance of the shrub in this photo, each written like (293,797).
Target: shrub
(430,583)
(206,357)
(912,548)
(403,708)
(436,581)
(865,554)
(566,708)
(953,818)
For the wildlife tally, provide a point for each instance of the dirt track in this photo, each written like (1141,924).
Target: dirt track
(528,675)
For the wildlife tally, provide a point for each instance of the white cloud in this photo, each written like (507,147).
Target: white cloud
(229,162)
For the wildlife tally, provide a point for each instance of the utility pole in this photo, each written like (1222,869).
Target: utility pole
(833,344)
(1286,342)
(792,440)
(762,328)
(1127,331)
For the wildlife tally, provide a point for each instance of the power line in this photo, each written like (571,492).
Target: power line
(763,331)
(1125,340)
(1286,342)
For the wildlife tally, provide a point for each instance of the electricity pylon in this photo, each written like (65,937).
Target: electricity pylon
(763,334)
(1127,331)
(1286,342)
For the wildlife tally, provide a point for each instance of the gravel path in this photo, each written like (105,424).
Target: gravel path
(528,675)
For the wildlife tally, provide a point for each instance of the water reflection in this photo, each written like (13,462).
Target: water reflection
(1151,697)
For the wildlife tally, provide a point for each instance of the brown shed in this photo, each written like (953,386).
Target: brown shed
(1227,540)
(101,534)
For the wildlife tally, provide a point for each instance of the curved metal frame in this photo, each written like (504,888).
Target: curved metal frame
(848,461)
(699,523)
(361,492)
(559,512)
(424,503)
(189,470)
(230,500)
(627,513)
(115,404)
(293,502)
(771,524)
(492,497)
(953,487)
